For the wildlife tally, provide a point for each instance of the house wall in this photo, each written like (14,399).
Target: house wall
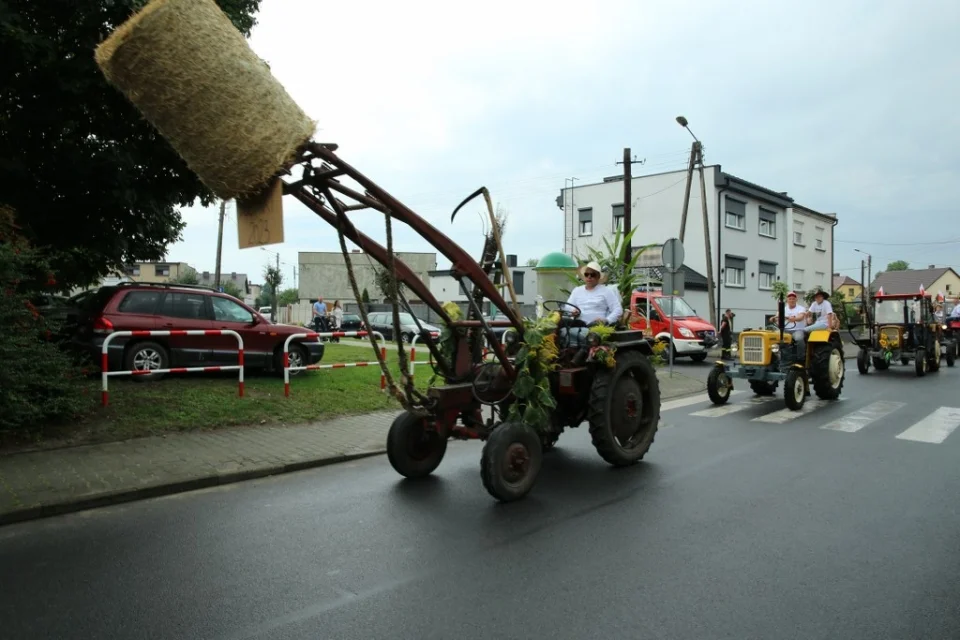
(948,283)
(446,289)
(738,244)
(325,274)
(811,244)
(851,291)
(156,271)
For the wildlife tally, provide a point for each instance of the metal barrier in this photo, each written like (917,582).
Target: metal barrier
(105,360)
(338,365)
(413,356)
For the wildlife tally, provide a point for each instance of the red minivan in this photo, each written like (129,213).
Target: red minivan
(692,335)
(138,306)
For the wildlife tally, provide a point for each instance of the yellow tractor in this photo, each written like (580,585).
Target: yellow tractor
(767,357)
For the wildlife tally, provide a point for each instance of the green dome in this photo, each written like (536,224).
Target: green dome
(556,260)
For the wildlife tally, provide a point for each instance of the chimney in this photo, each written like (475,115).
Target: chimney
(511,260)
(233,275)
(355,251)
(836,275)
(933,266)
(206,275)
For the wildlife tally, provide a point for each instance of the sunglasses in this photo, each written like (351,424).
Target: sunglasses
(591,274)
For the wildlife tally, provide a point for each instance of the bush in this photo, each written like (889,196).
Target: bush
(38,381)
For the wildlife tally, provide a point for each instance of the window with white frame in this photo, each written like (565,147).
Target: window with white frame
(798,280)
(821,278)
(736,217)
(735,271)
(617,217)
(586,221)
(768,223)
(819,239)
(798,233)
(162,270)
(767,275)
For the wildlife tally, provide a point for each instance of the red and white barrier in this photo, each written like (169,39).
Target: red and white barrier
(338,365)
(105,360)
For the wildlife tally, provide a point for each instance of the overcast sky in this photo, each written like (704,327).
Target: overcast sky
(850,106)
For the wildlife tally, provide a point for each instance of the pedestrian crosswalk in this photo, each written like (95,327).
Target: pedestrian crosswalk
(911,422)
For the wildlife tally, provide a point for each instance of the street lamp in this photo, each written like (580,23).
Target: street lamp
(685,124)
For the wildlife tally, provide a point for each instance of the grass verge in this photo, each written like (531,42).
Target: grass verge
(196,402)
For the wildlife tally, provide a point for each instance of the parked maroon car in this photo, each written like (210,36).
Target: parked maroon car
(142,306)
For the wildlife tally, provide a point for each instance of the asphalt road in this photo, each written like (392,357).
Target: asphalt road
(734,527)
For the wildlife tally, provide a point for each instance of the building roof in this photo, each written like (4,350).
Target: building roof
(909,281)
(829,217)
(240,279)
(844,281)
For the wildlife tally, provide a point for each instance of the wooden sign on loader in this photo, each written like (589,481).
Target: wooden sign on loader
(260,218)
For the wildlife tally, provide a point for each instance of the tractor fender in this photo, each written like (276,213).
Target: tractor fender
(797,365)
(820,335)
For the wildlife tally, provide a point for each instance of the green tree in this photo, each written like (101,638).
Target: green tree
(288,296)
(532,262)
(187,276)
(38,382)
(272,277)
(93,184)
(898,265)
(232,289)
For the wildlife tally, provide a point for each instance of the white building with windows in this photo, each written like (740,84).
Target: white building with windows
(757,236)
(445,287)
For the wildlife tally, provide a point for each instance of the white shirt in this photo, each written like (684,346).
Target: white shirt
(600,303)
(798,311)
(820,310)
(956,312)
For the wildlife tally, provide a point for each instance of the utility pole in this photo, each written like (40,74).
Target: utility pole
(696,160)
(216,275)
(627,197)
(706,237)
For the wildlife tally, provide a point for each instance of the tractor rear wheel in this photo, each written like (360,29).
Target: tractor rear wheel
(624,411)
(827,370)
(510,461)
(413,449)
(934,364)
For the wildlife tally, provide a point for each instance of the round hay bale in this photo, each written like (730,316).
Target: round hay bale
(193,76)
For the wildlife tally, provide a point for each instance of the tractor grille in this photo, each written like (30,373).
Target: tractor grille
(891,335)
(751,351)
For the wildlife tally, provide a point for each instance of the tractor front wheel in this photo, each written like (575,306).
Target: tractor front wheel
(863,361)
(510,461)
(413,449)
(827,370)
(920,362)
(718,386)
(795,389)
(934,364)
(624,410)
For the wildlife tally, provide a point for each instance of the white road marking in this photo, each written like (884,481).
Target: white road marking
(853,422)
(786,415)
(686,402)
(934,428)
(727,409)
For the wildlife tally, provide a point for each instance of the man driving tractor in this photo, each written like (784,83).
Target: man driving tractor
(794,314)
(595,302)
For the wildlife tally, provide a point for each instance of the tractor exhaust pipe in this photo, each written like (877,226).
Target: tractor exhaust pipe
(781,313)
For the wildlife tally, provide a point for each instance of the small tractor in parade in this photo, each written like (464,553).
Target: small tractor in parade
(770,356)
(903,329)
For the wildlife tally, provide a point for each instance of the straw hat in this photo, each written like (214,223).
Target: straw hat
(593,266)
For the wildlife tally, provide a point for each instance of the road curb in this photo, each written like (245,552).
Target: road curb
(156,491)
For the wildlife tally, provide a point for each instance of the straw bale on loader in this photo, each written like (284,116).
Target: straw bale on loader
(193,76)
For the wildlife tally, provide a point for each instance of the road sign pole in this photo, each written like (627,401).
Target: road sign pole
(672,306)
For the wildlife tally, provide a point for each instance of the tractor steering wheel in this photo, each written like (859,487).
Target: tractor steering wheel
(563,314)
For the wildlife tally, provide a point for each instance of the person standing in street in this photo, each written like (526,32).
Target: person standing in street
(319,315)
(726,334)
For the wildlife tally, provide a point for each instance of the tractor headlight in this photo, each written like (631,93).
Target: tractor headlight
(593,339)
(944,327)
(774,348)
(510,337)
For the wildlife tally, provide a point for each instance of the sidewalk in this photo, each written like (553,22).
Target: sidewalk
(45,483)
